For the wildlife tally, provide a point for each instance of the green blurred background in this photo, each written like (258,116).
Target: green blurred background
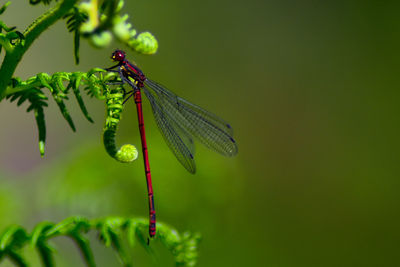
(311,89)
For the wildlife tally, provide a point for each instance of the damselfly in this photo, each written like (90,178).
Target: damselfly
(178,120)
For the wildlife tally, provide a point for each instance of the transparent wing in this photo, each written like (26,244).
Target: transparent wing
(178,139)
(209,129)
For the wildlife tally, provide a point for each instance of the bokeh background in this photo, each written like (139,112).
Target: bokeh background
(311,89)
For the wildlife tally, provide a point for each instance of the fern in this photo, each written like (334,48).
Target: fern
(75,18)
(94,83)
(111,231)
(104,21)
(127,153)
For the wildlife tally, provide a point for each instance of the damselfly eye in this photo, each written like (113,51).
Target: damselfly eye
(118,55)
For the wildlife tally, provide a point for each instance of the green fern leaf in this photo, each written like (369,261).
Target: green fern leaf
(84,246)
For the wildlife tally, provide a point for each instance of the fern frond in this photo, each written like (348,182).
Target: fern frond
(183,247)
(111,231)
(75,18)
(104,21)
(31,90)
(37,103)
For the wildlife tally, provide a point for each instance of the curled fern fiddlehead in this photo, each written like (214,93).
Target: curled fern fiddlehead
(104,21)
(114,102)
(100,22)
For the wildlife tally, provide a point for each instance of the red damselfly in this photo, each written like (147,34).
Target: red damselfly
(178,121)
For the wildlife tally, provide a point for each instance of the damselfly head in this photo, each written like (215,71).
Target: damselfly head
(118,55)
